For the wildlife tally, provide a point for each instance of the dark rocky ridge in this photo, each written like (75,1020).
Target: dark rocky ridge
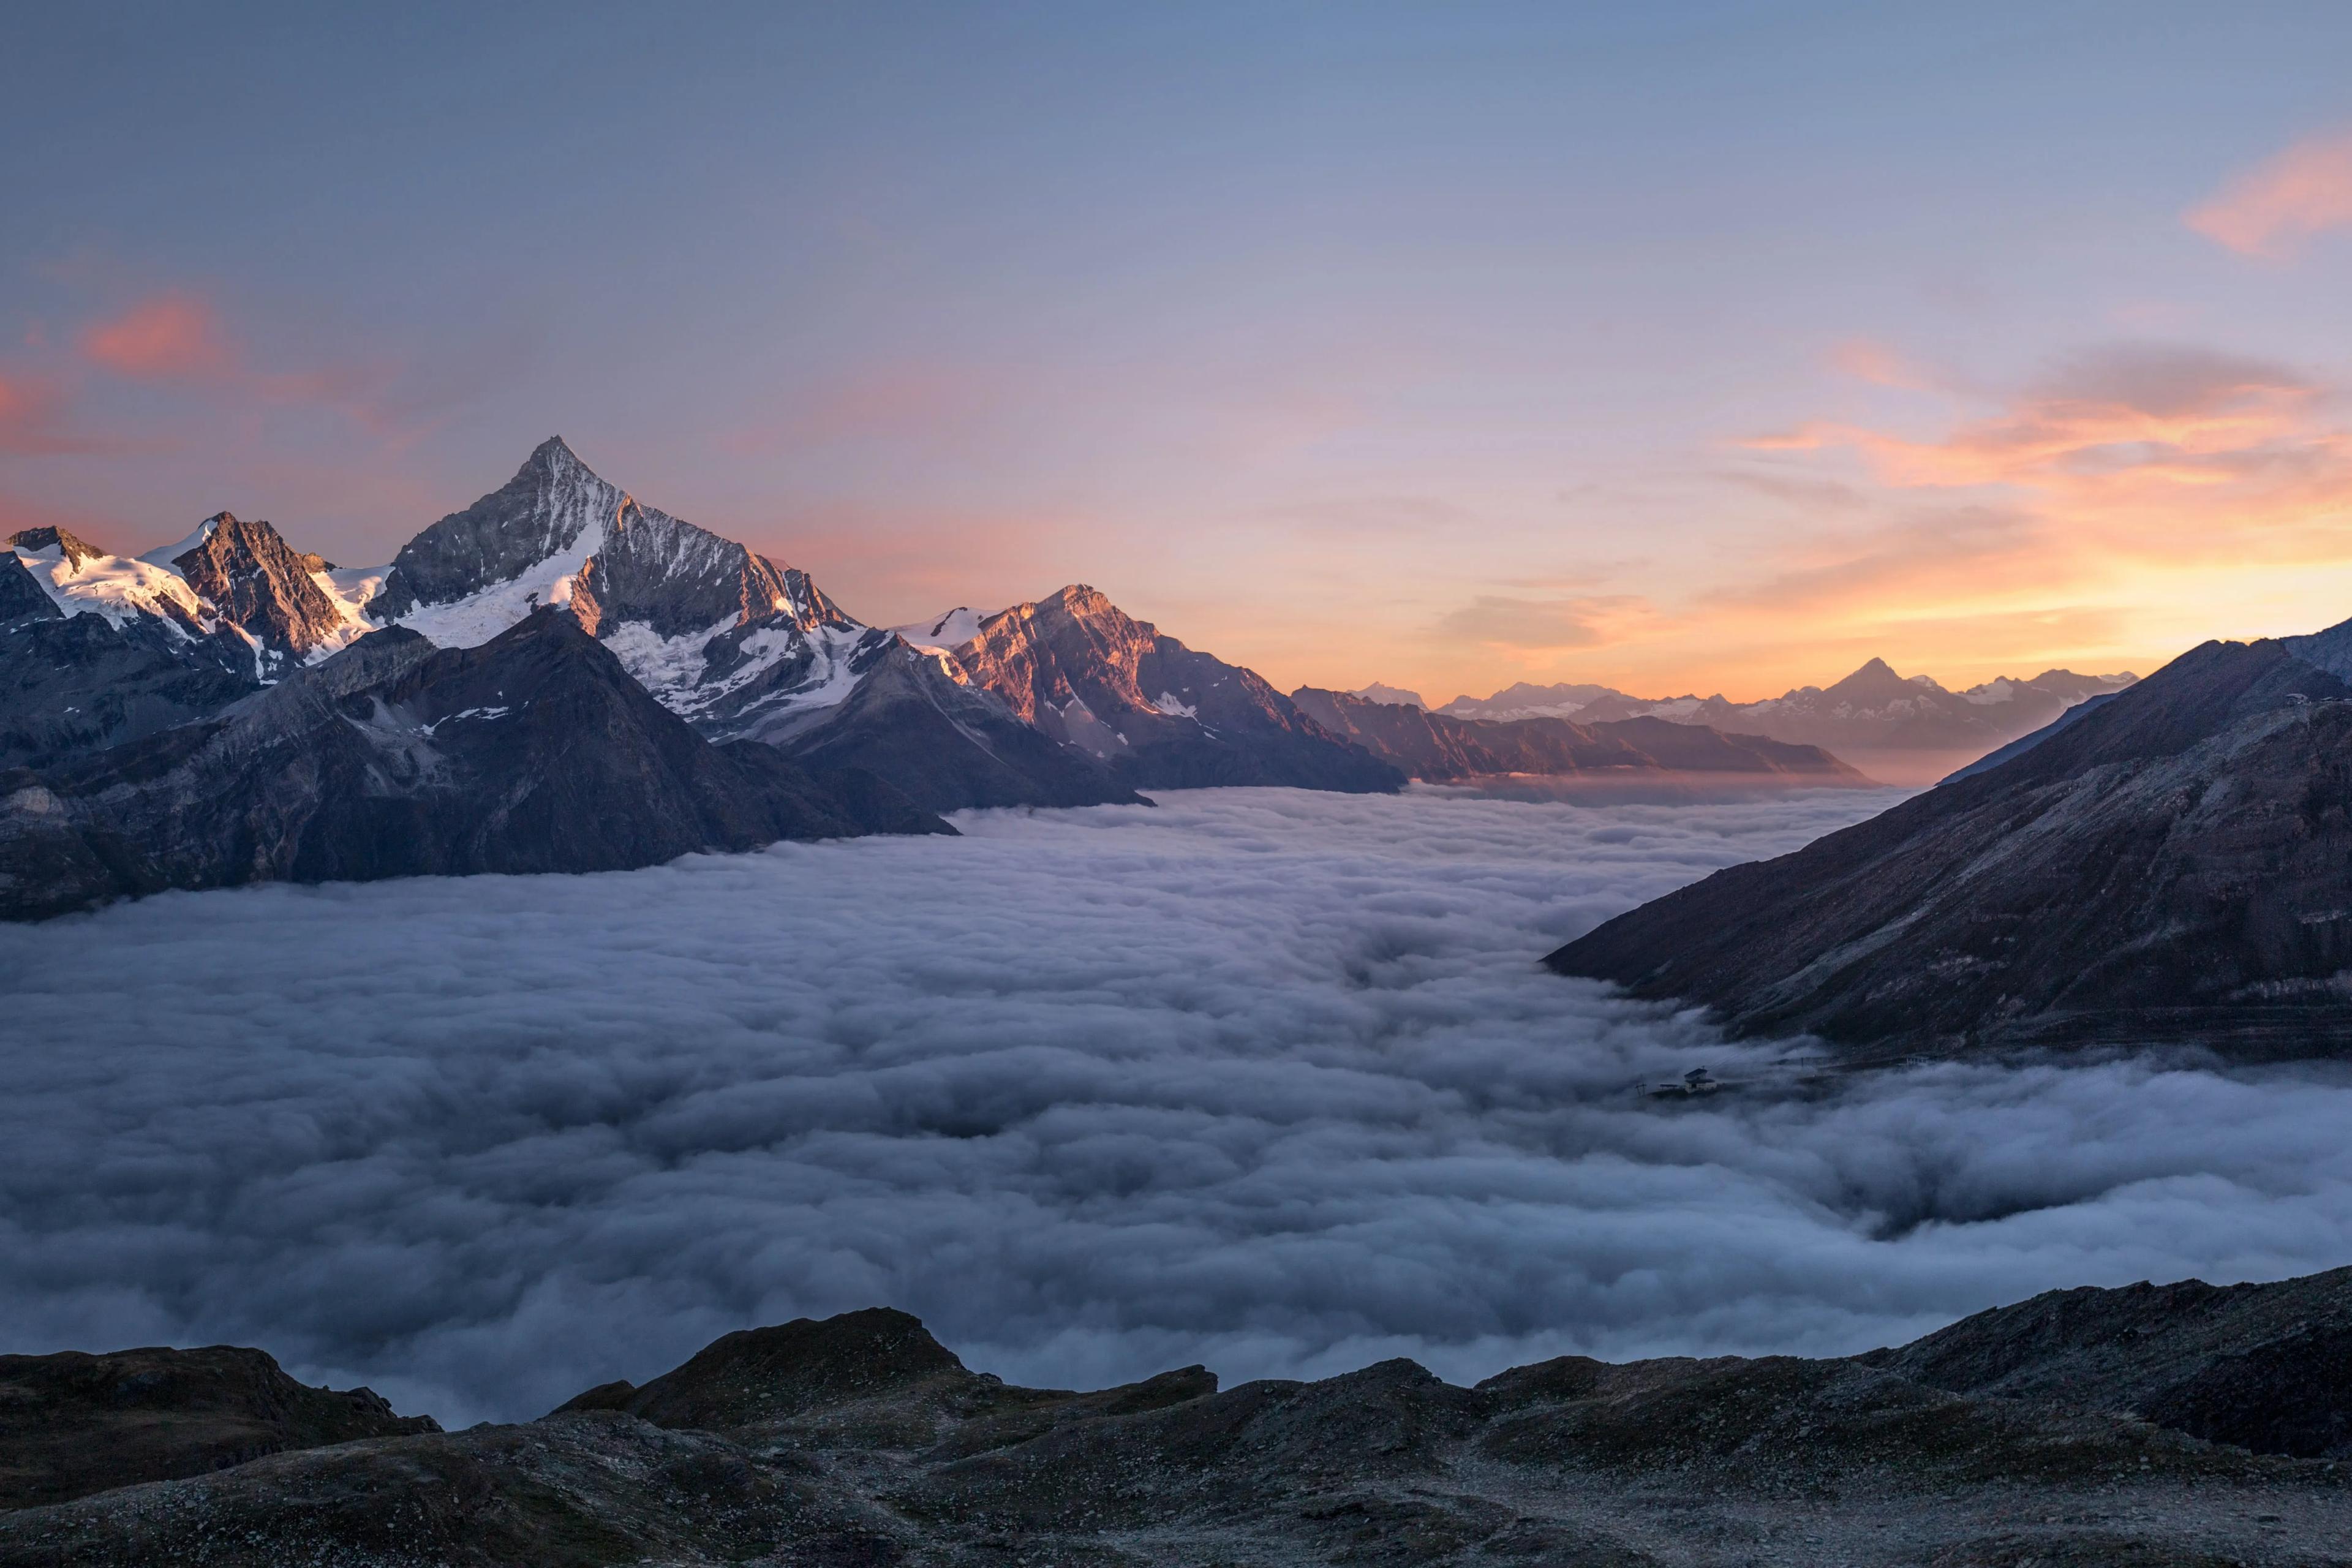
(2171,867)
(535,752)
(2032,1433)
(71,685)
(1439,748)
(1158,713)
(72,1424)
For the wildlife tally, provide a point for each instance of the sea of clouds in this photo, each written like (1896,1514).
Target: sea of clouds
(1261,1078)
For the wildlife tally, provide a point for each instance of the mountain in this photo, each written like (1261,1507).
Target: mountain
(1376,692)
(279,596)
(742,646)
(97,650)
(1440,749)
(1522,700)
(1157,713)
(2169,867)
(2186,1424)
(1906,729)
(534,752)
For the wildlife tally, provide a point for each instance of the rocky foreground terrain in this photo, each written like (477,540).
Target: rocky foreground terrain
(2183,1425)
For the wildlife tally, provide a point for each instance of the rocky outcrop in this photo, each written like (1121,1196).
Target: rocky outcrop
(76,551)
(1441,749)
(253,578)
(1157,713)
(2263,1367)
(535,752)
(2029,1434)
(21,597)
(73,1423)
(2168,867)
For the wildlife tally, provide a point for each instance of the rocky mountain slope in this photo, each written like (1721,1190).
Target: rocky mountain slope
(2028,1435)
(1438,748)
(1909,728)
(534,752)
(1157,713)
(2171,867)
(279,596)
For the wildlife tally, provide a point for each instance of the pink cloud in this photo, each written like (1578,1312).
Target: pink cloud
(174,336)
(2270,210)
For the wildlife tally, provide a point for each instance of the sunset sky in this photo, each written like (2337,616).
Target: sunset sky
(1678,346)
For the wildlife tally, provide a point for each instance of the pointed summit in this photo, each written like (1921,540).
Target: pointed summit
(251,576)
(1873,682)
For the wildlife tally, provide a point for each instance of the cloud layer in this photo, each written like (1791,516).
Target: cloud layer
(1260,1079)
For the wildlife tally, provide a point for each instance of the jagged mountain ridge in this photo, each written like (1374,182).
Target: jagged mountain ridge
(534,752)
(2037,1432)
(1158,713)
(2168,868)
(1439,748)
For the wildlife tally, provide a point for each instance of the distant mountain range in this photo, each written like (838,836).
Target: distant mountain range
(2176,1424)
(231,708)
(1908,728)
(2168,865)
(1441,748)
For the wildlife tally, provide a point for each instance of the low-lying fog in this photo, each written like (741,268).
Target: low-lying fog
(1261,1078)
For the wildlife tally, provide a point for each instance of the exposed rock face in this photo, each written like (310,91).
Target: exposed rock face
(1156,712)
(535,752)
(2171,867)
(72,1424)
(251,576)
(22,599)
(2008,1438)
(1438,748)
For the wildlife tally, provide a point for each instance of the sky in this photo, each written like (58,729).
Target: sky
(1268,1080)
(1709,347)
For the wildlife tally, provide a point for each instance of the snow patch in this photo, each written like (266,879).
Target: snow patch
(171,552)
(119,587)
(945,633)
(463,713)
(1166,703)
(349,589)
(481,615)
